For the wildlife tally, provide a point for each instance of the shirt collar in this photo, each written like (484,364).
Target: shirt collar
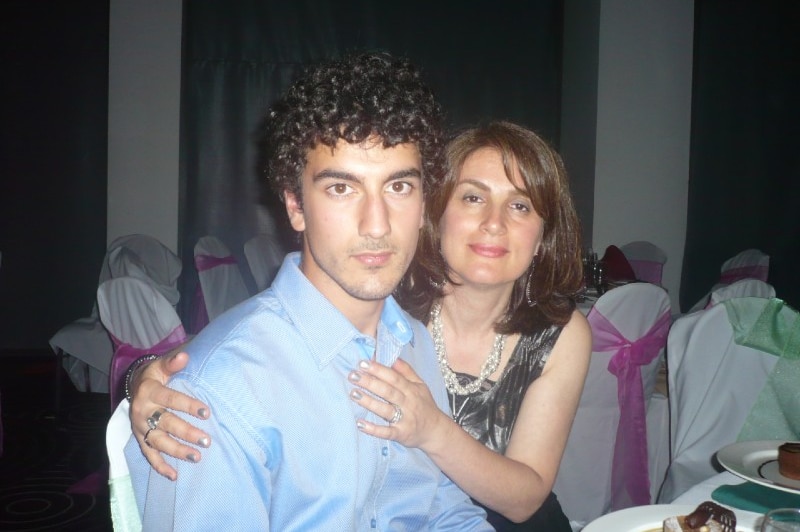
(326,330)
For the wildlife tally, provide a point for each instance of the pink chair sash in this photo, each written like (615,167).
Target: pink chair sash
(629,475)
(206,262)
(752,271)
(200,313)
(124,354)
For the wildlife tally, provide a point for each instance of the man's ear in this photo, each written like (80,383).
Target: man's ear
(294,209)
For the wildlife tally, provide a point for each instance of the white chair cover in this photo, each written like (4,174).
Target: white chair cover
(646,259)
(713,384)
(264,255)
(748,264)
(86,340)
(220,279)
(141,320)
(124,512)
(742,288)
(640,315)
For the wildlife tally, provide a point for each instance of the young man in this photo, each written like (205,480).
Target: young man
(351,147)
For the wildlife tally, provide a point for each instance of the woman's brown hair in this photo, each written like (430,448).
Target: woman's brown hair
(558,272)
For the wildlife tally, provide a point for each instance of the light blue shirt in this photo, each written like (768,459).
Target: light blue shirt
(286,454)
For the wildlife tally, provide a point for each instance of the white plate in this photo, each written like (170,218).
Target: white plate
(647,518)
(757,461)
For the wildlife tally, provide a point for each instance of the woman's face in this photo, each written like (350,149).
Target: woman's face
(489,230)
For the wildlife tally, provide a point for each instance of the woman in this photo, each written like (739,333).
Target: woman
(498,263)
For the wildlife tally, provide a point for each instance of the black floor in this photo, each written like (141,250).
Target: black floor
(44,454)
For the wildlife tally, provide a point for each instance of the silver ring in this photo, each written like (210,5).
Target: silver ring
(398,415)
(153,420)
(146,435)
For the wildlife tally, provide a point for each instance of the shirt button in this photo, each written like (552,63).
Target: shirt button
(373,523)
(385,451)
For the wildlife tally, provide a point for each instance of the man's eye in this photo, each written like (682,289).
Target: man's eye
(338,189)
(401,187)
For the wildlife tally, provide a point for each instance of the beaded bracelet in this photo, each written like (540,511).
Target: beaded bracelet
(136,364)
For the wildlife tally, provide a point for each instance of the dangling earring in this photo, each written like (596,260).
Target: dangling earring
(531,302)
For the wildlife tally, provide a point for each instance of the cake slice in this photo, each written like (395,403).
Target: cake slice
(789,460)
(708,517)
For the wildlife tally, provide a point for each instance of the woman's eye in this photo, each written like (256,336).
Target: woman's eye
(472,198)
(521,207)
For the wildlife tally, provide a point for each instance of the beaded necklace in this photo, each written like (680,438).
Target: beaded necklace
(450,379)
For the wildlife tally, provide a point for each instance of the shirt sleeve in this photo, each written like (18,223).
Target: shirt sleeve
(229,489)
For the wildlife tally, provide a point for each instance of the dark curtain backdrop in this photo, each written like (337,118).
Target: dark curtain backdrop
(484,60)
(744,188)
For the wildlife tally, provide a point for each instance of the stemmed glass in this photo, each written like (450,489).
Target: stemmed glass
(782,520)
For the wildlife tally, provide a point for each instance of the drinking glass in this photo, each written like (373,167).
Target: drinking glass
(782,520)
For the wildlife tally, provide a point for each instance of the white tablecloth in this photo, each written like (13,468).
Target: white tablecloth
(702,491)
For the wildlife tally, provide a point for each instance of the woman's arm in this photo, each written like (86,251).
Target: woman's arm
(514,484)
(150,394)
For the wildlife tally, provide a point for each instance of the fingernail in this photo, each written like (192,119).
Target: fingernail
(354,376)
(173,477)
(203,441)
(202,412)
(360,425)
(364,364)
(355,394)
(191,457)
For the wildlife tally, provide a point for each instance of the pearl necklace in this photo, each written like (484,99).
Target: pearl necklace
(450,378)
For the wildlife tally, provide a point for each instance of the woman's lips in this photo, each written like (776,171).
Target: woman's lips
(485,250)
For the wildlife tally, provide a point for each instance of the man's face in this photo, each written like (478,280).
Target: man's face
(361,213)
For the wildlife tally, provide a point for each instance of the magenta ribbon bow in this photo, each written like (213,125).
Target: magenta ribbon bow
(124,354)
(630,481)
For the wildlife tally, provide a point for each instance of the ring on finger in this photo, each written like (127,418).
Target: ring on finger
(153,420)
(147,435)
(398,415)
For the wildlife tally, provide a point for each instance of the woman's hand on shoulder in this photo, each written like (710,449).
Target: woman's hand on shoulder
(381,390)
(150,395)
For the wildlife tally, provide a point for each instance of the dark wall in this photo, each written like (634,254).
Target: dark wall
(53,153)
(744,187)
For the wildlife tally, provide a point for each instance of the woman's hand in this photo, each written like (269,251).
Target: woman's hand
(422,422)
(150,395)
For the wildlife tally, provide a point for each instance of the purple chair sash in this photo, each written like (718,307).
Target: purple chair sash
(200,313)
(206,262)
(630,482)
(752,271)
(124,354)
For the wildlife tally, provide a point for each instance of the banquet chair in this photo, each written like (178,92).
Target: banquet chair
(139,320)
(605,462)
(264,255)
(646,259)
(741,288)
(221,283)
(83,347)
(713,385)
(748,264)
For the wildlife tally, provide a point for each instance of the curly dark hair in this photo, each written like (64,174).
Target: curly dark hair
(558,272)
(354,98)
